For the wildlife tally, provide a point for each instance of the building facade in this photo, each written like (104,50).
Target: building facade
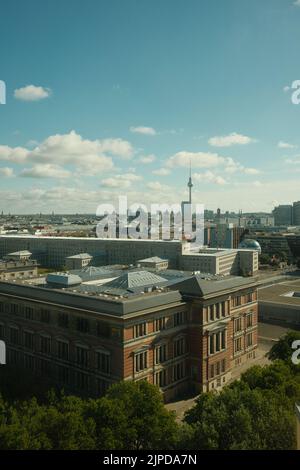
(185,337)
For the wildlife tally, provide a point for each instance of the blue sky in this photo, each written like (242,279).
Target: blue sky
(108,97)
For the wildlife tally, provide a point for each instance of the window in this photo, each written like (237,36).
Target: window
(103,362)
(211,311)
(179,347)
(238,324)
(249,340)
(160,378)
(211,344)
(223,309)
(178,371)
(141,360)
(223,365)
(223,339)
(237,301)
(249,298)
(218,310)
(218,345)
(160,324)
(83,325)
(249,320)
(29,313)
(12,356)
(63,350)
(82,381)
(82,356)
(45,316)
(140,330)
(238,345)
(28,340)
(212,371)
(2,330)
(14,309)
(14,335)
(63,320)
(45,344)
(160,353)
(179,318)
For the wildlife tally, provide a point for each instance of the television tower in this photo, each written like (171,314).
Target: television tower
(190,184)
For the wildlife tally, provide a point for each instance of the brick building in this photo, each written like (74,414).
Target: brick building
(180,331)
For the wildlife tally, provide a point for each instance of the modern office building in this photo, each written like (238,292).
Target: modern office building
(53,251)
(182,332)
(283,214)
(296,213)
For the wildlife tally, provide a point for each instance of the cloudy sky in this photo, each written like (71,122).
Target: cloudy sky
(109,97)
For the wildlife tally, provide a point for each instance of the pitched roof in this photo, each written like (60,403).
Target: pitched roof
(136,279)
(197,286)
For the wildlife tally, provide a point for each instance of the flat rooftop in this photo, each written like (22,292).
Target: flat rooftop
(282,293)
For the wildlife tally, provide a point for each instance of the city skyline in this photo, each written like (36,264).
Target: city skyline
(120,101)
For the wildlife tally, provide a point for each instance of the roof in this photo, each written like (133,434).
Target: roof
(135,279)
(281,293)
(81,256)
(153,259)
(197,286)
(63,279)
(20,253)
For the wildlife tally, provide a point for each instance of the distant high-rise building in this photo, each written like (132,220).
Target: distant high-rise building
(283,214)
(296,213)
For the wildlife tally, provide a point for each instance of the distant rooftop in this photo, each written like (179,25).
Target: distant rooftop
(81,256)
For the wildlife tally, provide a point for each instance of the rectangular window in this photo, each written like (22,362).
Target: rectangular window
(140,330)
(161,378)
(28,340)
(237,301)
(223,365)
(160,324)
(218,345)
(160,353)
(223,339)
(83,325)
(249,340)
(14,335)
(45,344)
(45,316)
(63,350)
(211,344)
(238,345)
(212,371)
(82,356)
(211,312)
(238,324)
(179,318)
(179,371)
(223,308)
(218,310)
(103,362)
(141,361)
(249,320)
(179,347)
(29,313)
(63,320)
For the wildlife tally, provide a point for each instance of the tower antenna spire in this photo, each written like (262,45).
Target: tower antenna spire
(190,184)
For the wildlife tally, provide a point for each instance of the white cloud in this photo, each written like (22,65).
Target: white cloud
(146,159)
(209,177)
(285,145)
(197,159)
(88,156)
(161,172)
(157,186)
(32,93)
(6,172)
(47,170)
(297,3)
(229,140)
(122,181)
(143,130)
